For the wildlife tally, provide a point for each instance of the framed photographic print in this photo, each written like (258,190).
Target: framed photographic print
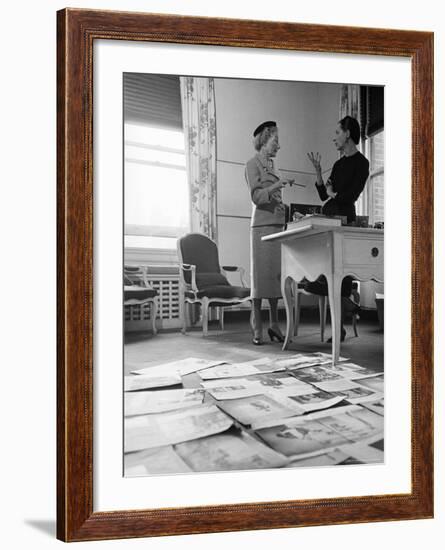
(231,194)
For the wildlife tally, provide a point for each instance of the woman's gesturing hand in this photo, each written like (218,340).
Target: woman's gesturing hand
(277,185)
(316,161)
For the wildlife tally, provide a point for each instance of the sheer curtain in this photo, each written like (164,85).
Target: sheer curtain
(198,112)
(350,101)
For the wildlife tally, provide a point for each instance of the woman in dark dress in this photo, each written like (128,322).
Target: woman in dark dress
(344,186)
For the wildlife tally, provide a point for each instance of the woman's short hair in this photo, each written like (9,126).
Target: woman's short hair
(351,124)
(263,136)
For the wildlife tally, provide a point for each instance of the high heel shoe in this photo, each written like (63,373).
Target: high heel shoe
(257,342)
(342,337)
(274,335)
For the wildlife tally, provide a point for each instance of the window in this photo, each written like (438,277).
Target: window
(155,179)
(375,146)
(372,125)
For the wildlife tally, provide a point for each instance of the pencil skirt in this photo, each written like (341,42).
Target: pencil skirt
(265,263)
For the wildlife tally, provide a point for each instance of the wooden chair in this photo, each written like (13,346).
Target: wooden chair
(322,307)
(138,292)
(202,280)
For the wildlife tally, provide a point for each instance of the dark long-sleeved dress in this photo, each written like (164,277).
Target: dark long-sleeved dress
(348,178)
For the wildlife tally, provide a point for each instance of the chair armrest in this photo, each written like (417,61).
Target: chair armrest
(234,268)
(192,269)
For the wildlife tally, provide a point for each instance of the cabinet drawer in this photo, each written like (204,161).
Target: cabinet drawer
(363,251)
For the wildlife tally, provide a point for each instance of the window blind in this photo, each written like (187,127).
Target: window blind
(152,99)
(371,110)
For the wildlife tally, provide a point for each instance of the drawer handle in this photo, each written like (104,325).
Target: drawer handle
(375,252)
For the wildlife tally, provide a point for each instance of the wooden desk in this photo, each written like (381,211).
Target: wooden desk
(314,250)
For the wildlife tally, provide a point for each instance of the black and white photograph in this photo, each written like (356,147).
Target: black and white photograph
(253,276)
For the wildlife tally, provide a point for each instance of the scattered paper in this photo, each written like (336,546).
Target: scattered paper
(376,406)
(299,436)
(364,453)
(300,361)
(236,370)
(351,371)
(355,425)
(181,367)
(157,430)
(375,383)
(147,382)
(229,452)
(351,391)
(359,395)
(150,402)
(314,375)
(163,460)
(235,388)
(315,400)
(330,458)
(250,410)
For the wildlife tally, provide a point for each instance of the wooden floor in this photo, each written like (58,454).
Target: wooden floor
(234,344)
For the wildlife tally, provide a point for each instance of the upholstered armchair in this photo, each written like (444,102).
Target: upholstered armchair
(202,280)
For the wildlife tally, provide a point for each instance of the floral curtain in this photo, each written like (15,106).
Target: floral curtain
(198,112)
(350,101)
(350,105)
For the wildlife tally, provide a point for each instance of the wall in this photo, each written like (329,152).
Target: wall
(306,114)
(29,247)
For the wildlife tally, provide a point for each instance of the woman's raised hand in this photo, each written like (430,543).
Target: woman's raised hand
(316,161)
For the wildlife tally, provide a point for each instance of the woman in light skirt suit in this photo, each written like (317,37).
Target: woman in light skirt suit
(268,216)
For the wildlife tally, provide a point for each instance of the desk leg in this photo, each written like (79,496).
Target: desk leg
(334,291)
(286,291)
(297,305)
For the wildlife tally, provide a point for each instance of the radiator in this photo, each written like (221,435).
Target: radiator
(164,279)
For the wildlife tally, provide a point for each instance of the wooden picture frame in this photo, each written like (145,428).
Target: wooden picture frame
(77,31)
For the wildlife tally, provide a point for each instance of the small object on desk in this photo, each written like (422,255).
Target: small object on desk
(362,221)
(315,219)
(303,209)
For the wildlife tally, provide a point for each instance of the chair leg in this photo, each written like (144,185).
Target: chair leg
(205,316)
(322,306)
(154,313)
(184,313)
(354,324)
(297,304)
(221,318)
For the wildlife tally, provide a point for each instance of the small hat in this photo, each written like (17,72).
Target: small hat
(267,124)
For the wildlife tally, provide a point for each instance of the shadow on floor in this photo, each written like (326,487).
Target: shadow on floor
(46,526)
